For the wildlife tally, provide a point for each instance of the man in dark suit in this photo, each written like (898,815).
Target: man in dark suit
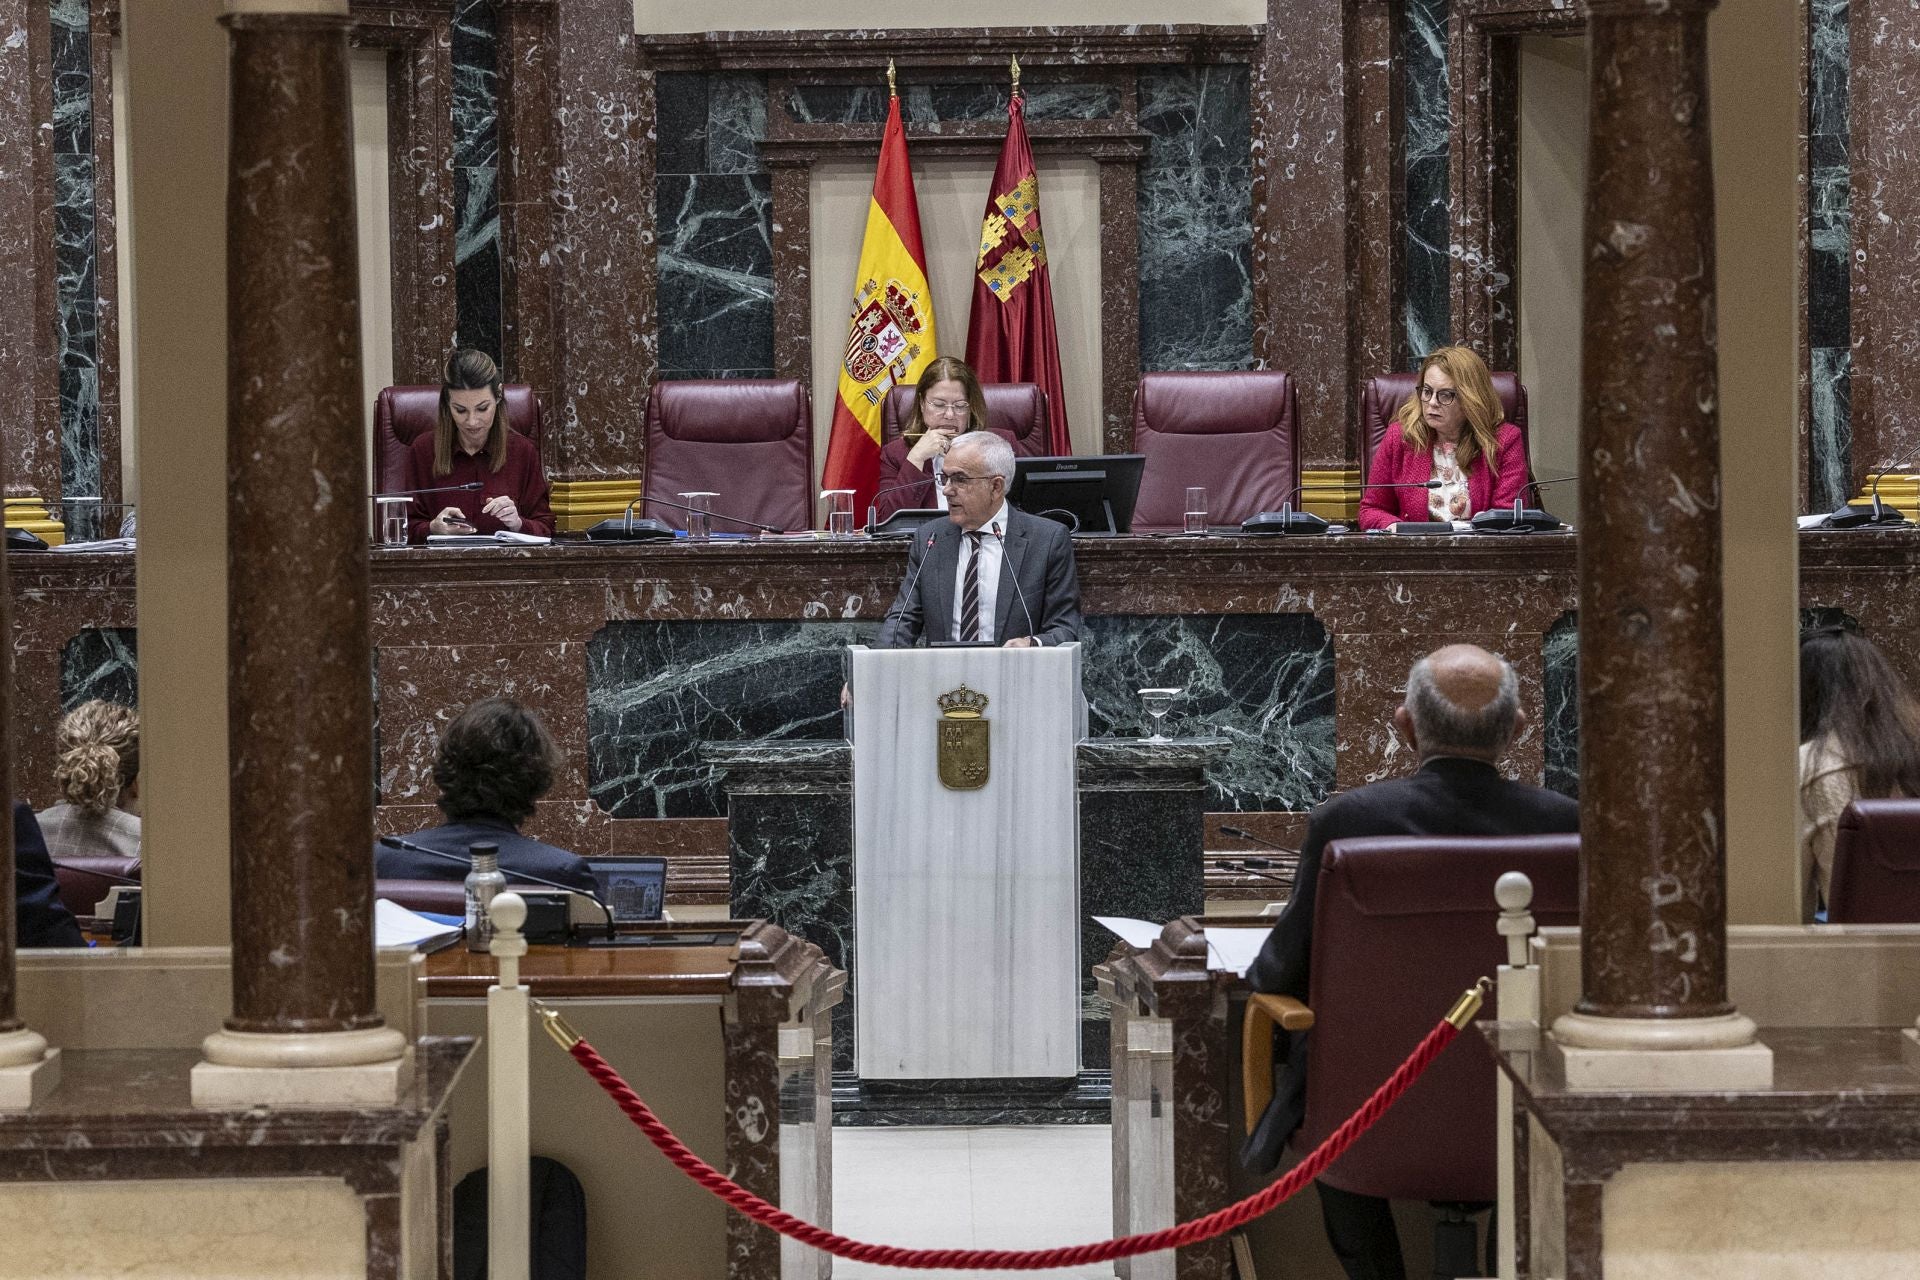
(989,572)
(495,760)
(40,918)
(1461,712)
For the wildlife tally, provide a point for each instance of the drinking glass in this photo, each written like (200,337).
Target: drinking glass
(393,522)
(698,518)
(1158,702)
(839,512)
(1196,510)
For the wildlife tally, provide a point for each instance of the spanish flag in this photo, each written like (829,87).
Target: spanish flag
(890,339)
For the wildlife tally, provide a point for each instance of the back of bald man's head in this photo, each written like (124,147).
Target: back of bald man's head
(1464,701)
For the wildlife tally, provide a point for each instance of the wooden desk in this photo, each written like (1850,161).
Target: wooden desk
(730,1046)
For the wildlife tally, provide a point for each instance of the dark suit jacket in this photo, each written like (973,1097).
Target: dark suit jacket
(1039,558)
(1449,796)
(519,856)
(42,919)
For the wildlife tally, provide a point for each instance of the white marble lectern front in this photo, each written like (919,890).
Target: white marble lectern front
(966,902)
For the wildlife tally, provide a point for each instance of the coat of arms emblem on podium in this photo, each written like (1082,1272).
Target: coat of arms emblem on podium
(965,749)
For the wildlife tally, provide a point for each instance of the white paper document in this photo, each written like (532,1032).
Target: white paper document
(504,536)
(395,926)
(1232,949)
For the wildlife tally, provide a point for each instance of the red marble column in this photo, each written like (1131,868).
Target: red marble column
(1652,701)
(1884,120)
(578,269)
(30,428)
(300,704)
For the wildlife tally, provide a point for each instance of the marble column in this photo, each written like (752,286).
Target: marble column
(1652,695)
(578,268)
(30,430)
(1885,155)
(300,708)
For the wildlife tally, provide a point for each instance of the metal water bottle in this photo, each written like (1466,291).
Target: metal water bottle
(483,882)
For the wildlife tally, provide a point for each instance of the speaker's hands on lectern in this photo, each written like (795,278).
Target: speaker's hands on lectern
(1019,642)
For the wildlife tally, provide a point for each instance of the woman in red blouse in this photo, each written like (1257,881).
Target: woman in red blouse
(473,441)
(947,404)
(1449,430)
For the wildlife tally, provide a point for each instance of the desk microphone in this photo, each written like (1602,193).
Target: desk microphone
(1018,593)
(1245,868)
(467,862)
(1520,518)
(1241,833)
(468,487)
(906,593)
(1286,519)
(873,507)
(1850,516)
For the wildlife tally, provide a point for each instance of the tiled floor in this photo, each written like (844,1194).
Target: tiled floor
(1028,1187)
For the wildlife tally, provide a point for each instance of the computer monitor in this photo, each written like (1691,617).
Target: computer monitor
(634,886)
(1097,492)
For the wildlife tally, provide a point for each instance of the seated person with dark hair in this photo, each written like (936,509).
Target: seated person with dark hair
(40,918)
(494,761)
(1461,712)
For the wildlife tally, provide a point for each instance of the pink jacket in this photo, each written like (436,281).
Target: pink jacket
(1394,463)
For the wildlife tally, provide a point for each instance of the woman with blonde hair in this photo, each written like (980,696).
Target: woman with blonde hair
(1449,430)
(947,404)
(473,443)
(98,769)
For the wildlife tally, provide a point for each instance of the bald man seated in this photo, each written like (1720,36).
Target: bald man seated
(1461,712)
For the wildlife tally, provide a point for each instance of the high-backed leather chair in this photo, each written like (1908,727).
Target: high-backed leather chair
(1402,925)
(87,878)
(1876,864)
(442,897)
(748,440)
(1238,434)
(1381,398)
(1017,410)
(402,413)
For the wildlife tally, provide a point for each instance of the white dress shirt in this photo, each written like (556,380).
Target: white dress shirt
(992,550)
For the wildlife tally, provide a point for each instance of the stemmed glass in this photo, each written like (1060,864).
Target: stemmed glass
(1158,702)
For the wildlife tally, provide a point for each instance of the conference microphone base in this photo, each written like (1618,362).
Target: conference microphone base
(1859,515)
(1507,520)
(645,529)
(1284,522)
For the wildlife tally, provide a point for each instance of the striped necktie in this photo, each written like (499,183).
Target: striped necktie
(970,595)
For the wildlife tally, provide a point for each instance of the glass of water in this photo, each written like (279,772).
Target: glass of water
(1196,510)
(1158,702)
(839,504)
(393,522)
(699,516)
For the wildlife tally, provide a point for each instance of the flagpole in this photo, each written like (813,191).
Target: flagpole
(891,91)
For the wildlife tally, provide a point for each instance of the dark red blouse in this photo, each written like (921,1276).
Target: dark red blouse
(520,478)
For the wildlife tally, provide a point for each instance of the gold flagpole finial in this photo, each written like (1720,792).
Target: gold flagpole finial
(1016,75)
(892,92)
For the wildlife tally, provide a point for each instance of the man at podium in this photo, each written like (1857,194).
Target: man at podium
(988,574)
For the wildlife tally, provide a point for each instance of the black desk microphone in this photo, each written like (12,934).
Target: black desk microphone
(467,862)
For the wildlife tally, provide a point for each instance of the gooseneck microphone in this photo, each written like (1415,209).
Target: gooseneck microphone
(1520,518)
(467,862)
(873,507)
(1241,833)
(1245,868)
(643,500)
(468,487)
(1852,516)
(906,594)
(1286,519)
(1020,595)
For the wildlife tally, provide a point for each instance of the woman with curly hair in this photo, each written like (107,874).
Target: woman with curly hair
(98,769)
(495,760)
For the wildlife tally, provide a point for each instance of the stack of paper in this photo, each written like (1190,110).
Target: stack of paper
(395,926)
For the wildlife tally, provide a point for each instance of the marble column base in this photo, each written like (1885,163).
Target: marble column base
(377,1084)
(26,1086)
(1661,1055)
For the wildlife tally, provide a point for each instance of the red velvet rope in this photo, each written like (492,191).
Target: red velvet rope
(1214,1224)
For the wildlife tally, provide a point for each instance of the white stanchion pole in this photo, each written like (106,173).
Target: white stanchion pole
(1518,1001)
(508,1144)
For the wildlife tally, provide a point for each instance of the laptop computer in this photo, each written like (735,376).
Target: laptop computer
(634,886)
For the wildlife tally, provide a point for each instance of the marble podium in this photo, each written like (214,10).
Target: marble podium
(966,883)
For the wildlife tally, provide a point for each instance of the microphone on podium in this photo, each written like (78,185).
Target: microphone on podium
(873,508)
(626,529)
(1245,868)
(460,858)
(1877,513)
(468,487)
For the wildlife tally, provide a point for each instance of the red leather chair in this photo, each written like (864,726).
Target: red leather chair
(748,440)
(402,413)
(1236,433)
(1401,926)
(442,897)
(1876,864)
(1381,398)
(84,880)
(1017,410)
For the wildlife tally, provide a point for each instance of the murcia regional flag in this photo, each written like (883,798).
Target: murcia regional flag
(891,337)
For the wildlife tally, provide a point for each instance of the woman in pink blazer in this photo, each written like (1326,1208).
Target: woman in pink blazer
(1449,430)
